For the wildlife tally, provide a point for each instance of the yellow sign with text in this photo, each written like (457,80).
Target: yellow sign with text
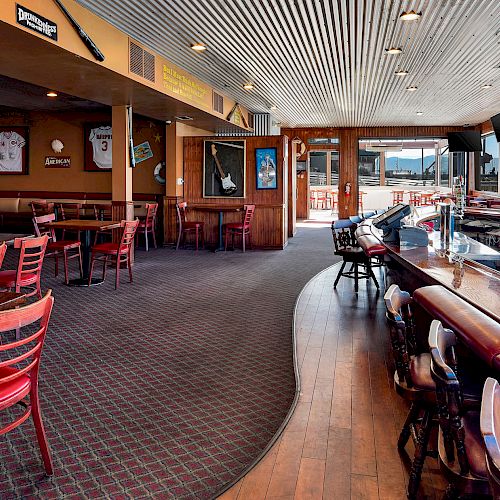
(185,87)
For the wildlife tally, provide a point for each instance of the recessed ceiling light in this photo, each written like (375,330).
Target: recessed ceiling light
(273,108)
(420,113)
(410,16)
(393,50)
(401,72)
(199,47)
(248,86)
(51,94)
(487,86)
(411,89)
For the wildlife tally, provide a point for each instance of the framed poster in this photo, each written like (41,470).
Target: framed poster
(224,168)
(98,140)
(142,152)
(266,171)
(14,150)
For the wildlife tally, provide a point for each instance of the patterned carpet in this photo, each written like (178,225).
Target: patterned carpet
(171,386)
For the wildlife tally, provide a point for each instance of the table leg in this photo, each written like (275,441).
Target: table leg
(221,238)
(86,245)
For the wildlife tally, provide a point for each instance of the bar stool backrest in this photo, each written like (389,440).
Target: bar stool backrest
(3,251)
(343,235)
(490,429)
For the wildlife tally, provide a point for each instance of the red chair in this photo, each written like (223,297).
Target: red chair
(19,368)
(148,224)
(41,207)
(187,227)
(321,198)
(415,198)
(243,228)
(3,250)
(334,201)
(29,268)
(68,211)
(360,201)
(55,248)
(397,197)
(119,253)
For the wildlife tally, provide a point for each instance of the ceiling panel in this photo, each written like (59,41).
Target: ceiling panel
(323,62)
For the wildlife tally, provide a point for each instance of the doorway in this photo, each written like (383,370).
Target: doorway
(323,184)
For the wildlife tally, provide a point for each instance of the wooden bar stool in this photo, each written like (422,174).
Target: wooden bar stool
(415,198)
(397,197)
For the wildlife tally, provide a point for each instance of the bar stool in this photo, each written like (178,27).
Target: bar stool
(415,198)
(334,201)
(360,201)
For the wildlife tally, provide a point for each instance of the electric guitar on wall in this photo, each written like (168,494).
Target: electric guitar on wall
(228,185)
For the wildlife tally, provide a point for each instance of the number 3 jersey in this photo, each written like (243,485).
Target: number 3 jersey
(11,152)
(101,139)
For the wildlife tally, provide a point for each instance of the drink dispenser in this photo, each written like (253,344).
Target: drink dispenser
(447,222)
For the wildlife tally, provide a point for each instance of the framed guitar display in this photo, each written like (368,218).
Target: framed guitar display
(266,171)
(14,150)
(98,140)
(224,168)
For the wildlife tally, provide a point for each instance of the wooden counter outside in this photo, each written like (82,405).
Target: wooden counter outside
(477,284)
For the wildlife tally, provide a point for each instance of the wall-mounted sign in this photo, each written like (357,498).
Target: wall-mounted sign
(57,161)
(236,116)
(142,152)
(35,22)
(185,86)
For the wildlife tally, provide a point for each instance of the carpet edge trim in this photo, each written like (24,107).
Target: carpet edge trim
(295,401)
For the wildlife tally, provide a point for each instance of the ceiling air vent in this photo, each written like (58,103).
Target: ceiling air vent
(218,102)
(183,118)
(141,62)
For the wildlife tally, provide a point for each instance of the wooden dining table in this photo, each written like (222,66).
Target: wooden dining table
(9,300)
(86,227)
(221,210)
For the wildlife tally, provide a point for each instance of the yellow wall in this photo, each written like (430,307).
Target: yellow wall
(69,128)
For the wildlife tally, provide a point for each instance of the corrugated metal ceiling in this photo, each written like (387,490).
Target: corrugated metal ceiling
(323,62)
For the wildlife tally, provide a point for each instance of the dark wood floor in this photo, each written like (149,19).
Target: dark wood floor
(341,440)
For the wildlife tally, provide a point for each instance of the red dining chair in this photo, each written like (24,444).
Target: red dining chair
(3,250)
(244,228)
(41,207)
(29,268)
(68,211)
(397,197)
(70,249)
(20,366)
(103,211)
(148,224)
(187,227)
(119,253)
(321,199)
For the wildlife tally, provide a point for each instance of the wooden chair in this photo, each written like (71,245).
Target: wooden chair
(490,430)
(103,211)
(70,249)
(41,207)
(415,198)
(397,197)
(20,366)
(148,225)
(29,268)
(3,251)
(69,211)
(460,445)
(334,201)
(412,381)
(118,253)
(313,200)
(322,200)
(188,227)
(426,199)
(243,228)
(346,246)
(360,202)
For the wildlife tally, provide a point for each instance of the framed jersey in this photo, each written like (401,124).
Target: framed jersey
(98,140)
(14,150)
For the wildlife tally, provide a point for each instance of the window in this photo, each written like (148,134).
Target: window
(334,168)
(317,168)
(323,140)
(369,168)
(411,167)
(488,165)
(445,167)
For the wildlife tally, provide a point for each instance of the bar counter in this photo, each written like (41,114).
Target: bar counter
(476,283)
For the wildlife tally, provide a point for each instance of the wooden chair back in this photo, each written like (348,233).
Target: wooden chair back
(181,212)
(490,429)
(343,235)
(151,210)
(402,330)
(29,267)
(24,361)
(3,251)
(247,219)
(442,342)
(103,211)
(129,227)
(41,207)
(69,211)
(397,197)
(41,228)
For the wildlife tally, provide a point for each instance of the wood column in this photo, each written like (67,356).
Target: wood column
(348,172)
(292,189)
(121,177)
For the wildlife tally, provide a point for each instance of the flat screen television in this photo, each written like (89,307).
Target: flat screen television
(467,141)
(495,121)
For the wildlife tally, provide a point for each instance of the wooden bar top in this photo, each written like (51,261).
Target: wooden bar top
(477,284)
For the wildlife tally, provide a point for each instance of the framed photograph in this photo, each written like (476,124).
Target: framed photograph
(98,140)
(142,152)
(266,171)
(14,150)
(224,168)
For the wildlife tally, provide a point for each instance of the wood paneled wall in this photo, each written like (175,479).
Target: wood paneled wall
(269,228)
(348,148)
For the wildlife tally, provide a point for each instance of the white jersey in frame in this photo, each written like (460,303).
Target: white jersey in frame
(11,152)
(102,141)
